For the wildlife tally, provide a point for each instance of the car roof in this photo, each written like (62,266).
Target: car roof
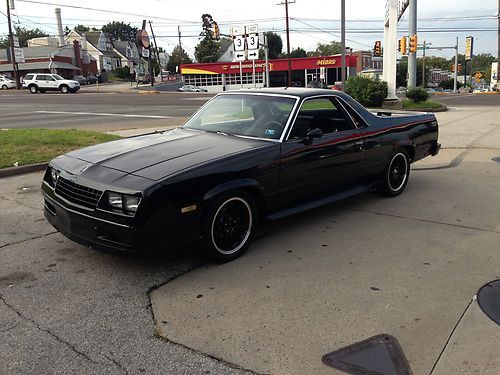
(301,92)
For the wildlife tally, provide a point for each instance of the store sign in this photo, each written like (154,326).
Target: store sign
(326,62)
(469,47)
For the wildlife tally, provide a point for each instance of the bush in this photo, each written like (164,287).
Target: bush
(123,73)
(367,91)
(417,94)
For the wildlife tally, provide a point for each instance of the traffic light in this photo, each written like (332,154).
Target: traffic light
(216,31)
(402,46)
(452,68)
(377,49)
(413,43)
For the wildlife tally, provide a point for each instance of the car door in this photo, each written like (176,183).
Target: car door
(320,166)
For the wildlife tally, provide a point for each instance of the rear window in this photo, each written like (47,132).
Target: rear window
(29,77)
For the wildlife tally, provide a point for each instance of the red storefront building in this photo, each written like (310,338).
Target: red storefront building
(221,76)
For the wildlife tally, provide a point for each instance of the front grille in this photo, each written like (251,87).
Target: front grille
(78,194)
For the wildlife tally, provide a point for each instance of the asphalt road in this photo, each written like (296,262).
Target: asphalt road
(465,100)
(96,111)
(407,266)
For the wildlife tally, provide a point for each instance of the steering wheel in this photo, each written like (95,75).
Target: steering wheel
(271,127)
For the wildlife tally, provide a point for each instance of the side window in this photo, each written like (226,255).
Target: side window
(322,113)
(29,77)
(49,78)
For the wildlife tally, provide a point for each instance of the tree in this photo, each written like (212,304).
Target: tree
(327,49)
(178,57)
(120,30)
(275,45)
(208,50)
(24,35)
(298,52)
(81,29)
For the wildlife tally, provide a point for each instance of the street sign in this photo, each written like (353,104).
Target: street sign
(239,43)
(16,41)
(253,41)
(19,53)
(240,56)
(252,29)
(253,55)
(238,30)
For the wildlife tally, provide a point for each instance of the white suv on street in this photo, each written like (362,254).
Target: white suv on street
(45,81)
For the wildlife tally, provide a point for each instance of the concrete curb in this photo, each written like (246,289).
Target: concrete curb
(14,171)
(442,109)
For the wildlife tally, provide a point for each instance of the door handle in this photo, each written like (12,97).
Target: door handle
(359,145)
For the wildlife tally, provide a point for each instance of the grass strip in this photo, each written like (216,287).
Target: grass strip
(29,146)
(428,104)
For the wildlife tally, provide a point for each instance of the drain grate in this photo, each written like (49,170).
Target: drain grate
(379,354)
(496,159)
(488,298)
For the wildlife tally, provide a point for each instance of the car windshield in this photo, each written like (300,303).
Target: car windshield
(57,77)
(260,116)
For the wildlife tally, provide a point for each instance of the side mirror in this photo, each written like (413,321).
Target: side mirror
(312,134)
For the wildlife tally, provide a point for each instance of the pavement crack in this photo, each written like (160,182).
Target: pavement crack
(421,220)
(19,203)
(9,328)
(451,335)
(117,364)
(52,334)
(28,239)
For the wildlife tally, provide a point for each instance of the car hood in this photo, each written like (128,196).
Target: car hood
(156,156)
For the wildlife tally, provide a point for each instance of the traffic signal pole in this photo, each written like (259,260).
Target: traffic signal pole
(456,68)
(412,56)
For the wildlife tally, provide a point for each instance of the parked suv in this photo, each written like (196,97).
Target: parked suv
(45,81)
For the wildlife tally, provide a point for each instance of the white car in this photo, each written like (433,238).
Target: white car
(49,82)
(7,83)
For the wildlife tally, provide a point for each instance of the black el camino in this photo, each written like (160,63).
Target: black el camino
(242,158)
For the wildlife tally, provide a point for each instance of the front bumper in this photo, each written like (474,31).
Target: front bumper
(90,231)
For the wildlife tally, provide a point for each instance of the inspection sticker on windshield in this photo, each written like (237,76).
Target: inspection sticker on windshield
(269,132)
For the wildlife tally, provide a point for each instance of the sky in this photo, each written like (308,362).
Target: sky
(311,21)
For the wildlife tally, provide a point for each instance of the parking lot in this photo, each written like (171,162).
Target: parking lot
(311,284)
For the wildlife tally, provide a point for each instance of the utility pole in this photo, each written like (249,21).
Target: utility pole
(12,52)
(412,56)
(342,35)
(456,67)
(289,83)
(498,50)
(423,66)
(266,49)
(156,48)
(180,45)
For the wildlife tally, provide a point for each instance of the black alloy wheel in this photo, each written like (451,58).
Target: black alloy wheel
(396,174)
(228,226)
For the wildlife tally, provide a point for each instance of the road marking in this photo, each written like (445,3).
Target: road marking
(102,114)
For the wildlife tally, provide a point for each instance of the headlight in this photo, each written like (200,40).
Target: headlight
(123,202)
(115,200)
(131,203)
(54,175)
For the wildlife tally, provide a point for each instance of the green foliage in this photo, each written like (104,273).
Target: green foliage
(327,49)
(208,50)
(367,91)
(178,57)
(298,52)
(24,34)
(122,72)
(448,84)
(120,30)
(275,45)
(80,29)
(417,94)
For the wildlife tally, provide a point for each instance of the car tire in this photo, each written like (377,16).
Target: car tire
(33,89)
(396,174)
(4,87)
(64,89)
(228,226)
